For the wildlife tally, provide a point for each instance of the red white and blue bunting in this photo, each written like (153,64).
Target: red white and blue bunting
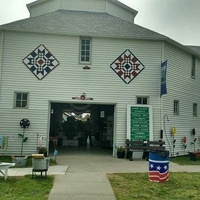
(82,97)
(127,66)
(40,62)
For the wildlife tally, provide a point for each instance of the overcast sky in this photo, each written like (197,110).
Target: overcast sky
(177,19)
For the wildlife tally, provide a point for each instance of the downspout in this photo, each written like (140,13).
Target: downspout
(1,58)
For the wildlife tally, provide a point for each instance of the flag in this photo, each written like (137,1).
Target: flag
(158,170)
(163,77)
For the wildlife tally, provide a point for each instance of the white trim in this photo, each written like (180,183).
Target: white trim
(150,120)
(114,104)
(90,50)
(15,99)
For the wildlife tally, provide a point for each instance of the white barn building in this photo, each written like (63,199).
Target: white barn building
(89,56)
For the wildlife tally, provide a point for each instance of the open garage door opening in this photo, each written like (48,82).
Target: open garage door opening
(70,130)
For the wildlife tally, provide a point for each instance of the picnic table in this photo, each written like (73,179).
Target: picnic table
(5,166)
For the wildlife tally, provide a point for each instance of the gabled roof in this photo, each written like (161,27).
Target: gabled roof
(113,7)
(82,23)
(92,24)
(195,48)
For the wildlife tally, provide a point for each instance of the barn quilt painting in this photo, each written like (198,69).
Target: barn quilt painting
(127,66)
(40,62)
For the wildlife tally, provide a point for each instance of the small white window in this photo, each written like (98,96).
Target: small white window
(195,109)
(142,100)
(85,50)
(21,100)
(176,107)
(193,66)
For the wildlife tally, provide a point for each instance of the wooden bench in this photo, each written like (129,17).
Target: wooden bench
(143,145)
(194,154)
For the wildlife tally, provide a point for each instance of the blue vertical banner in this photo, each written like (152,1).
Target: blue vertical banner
(163,78)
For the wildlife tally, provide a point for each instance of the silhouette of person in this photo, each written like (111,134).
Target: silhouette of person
(88,132)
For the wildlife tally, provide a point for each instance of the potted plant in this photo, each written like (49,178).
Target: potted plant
(20,161)
(120,151)
(42,150)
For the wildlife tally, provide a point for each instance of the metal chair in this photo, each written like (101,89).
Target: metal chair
(39,164)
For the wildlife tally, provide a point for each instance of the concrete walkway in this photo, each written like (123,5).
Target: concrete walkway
(82,175)
(53,170)
(86,176)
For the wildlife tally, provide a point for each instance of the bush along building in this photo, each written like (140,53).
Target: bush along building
(72,57)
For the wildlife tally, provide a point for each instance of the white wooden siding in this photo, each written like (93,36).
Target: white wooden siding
(88,5)
(1,52)
(45,7)
(181,87)
(101,6)
(120,12)
(69,79)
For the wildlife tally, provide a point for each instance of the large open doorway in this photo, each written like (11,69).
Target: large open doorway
(68,126)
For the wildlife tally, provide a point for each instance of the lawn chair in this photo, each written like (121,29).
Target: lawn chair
(39,164)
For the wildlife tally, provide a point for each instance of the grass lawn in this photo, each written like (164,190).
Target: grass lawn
(126,186)
(25,188)
(129,186)
(184,160)
(181,186)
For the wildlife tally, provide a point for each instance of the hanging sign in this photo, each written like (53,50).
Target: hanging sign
(139,122)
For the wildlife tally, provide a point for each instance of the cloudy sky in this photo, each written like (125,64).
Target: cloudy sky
(177,19)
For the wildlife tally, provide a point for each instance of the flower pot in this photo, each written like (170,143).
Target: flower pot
(42,150)
(121,154)
(20,161)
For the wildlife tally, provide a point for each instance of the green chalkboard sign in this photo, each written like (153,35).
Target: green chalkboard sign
(139,122)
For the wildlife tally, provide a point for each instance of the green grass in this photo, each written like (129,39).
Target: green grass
(181,186)
(25,188)
(185,160)
(129,186)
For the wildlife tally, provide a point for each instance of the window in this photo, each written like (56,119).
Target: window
(21,100)
(142,100)
(85,50)
(176,107)
(195,109)
(193,66)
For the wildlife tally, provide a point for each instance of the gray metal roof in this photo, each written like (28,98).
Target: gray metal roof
(195,48)
(92,24)
(82,23)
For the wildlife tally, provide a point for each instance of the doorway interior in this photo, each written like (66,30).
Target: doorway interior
(67,126)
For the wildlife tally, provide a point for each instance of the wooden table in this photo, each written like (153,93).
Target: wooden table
(5,166)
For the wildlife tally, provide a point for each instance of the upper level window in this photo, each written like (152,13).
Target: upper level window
(142,100)
(21,100)
(85,50)
(195,109)
(193,66)
(176,107)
